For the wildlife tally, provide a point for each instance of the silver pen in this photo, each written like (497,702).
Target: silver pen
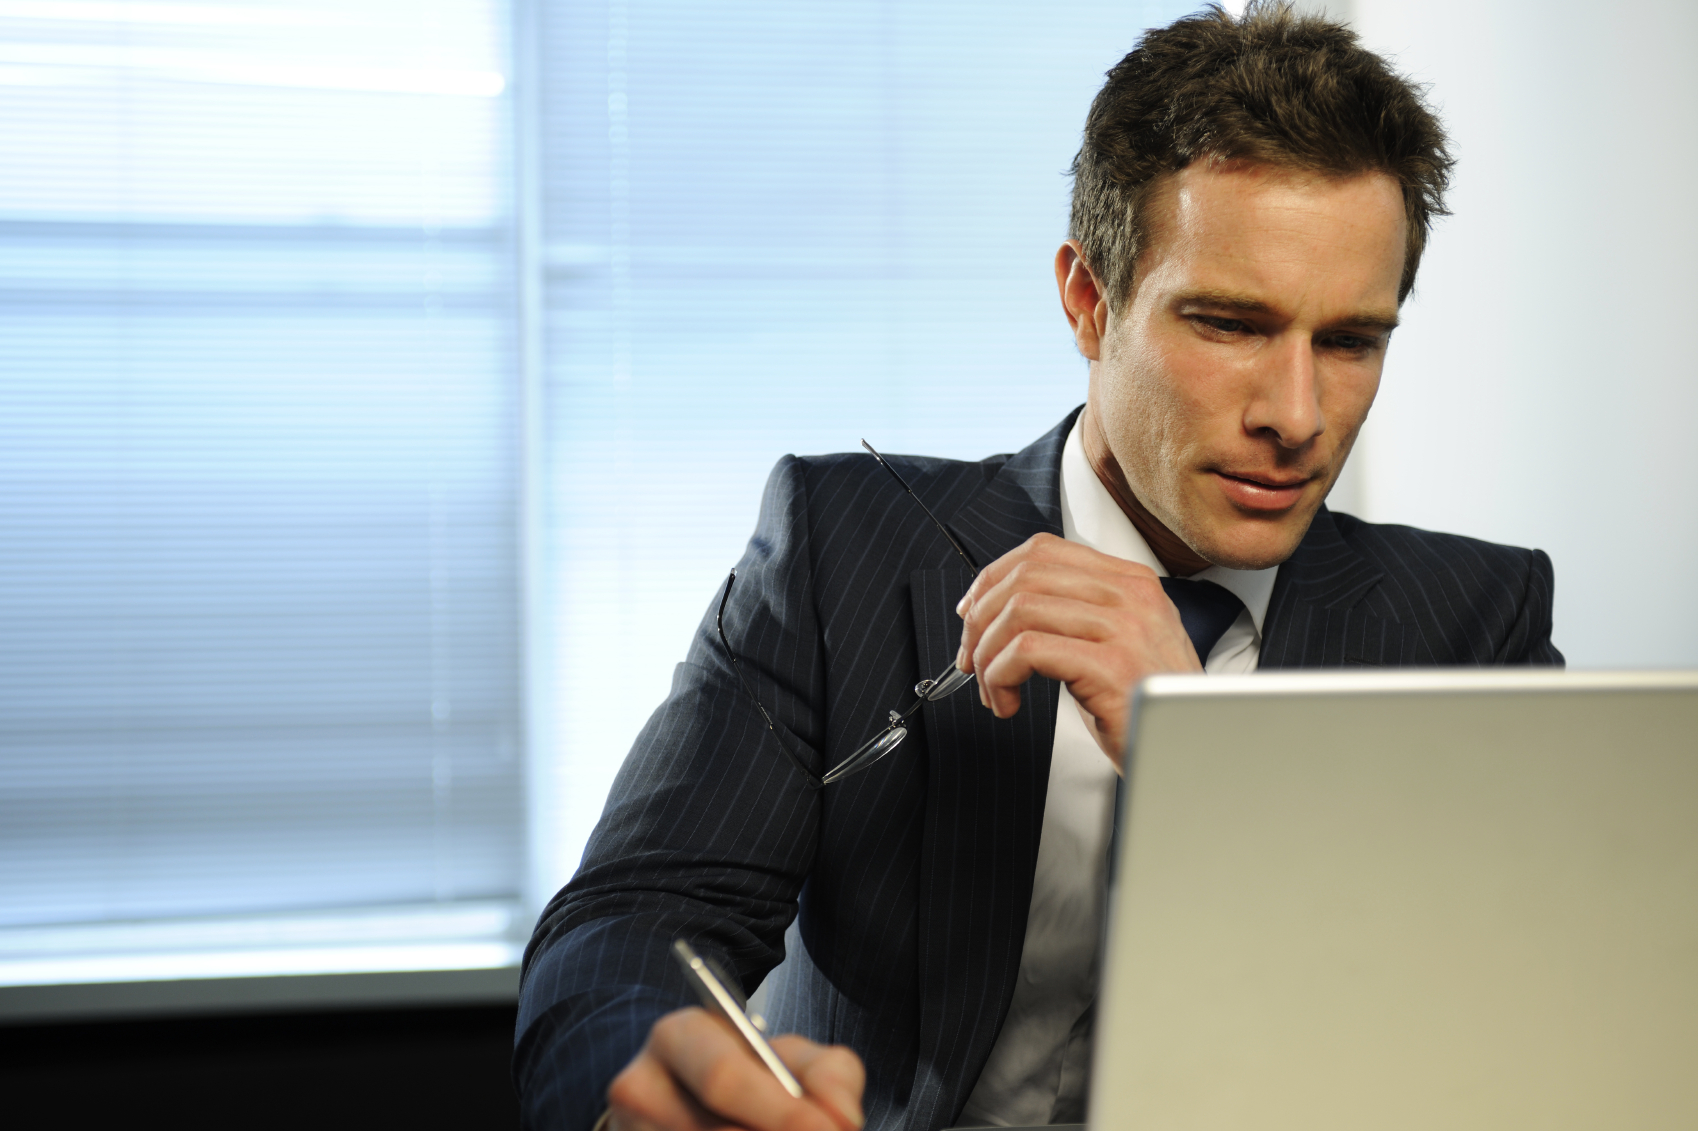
(714,988)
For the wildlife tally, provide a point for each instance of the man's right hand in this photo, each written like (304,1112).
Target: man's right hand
(697,1074)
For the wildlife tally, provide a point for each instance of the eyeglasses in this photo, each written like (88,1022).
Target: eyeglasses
(948,682)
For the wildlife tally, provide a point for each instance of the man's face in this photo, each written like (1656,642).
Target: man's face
(1231,386)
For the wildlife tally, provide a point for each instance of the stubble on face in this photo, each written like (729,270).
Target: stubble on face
(1230,388)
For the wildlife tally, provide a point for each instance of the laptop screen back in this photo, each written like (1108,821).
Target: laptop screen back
(1439,899)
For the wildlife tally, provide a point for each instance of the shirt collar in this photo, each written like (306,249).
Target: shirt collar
(1090,516)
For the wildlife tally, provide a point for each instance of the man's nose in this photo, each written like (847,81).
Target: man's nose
(1285,401)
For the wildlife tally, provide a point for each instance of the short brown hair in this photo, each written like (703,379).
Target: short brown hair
(1270,87)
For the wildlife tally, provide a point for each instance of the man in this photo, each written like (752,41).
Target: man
(1251,201)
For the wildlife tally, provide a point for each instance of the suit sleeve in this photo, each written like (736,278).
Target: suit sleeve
(708,833)
(1529,639)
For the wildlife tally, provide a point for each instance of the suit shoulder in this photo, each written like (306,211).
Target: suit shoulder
(1458,586)
(1401,548)
(839,470)
(1469,600)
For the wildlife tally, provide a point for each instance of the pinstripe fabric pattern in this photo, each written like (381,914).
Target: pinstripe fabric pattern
(913,879)
(1392,596)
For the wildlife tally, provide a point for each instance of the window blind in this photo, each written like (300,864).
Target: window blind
(258,579)
(774,227)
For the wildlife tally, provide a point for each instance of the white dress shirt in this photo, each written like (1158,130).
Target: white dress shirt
(1037,1069)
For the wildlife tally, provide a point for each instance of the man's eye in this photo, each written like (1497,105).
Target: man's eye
(1221,325)
(1351,343)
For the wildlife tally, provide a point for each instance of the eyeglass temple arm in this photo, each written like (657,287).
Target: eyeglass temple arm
(719,623)
(942,529)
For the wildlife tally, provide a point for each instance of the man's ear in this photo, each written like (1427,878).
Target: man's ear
(1082,299)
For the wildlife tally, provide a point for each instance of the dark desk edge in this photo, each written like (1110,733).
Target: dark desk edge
(103,1001)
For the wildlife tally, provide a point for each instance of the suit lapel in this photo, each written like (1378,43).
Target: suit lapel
(987,780)
(1315,617)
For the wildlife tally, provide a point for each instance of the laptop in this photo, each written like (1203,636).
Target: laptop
(1388,901)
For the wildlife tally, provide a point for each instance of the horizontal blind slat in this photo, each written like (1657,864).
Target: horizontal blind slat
(258,576)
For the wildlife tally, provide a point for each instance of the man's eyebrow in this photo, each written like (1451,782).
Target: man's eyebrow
(1370,320)
(1380,320)
(1226,300)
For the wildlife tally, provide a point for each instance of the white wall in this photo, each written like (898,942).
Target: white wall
(1543,388)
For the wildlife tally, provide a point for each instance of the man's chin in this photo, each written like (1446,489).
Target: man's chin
(1254,544)
(1261,561)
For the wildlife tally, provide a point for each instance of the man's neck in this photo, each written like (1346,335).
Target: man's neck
(1179,559)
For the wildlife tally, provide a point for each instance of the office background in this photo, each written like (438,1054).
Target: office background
(386,388)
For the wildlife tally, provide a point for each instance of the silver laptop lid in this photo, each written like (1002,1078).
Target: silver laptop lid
(1416,900)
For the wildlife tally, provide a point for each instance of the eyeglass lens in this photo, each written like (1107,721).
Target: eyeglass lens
(948,682)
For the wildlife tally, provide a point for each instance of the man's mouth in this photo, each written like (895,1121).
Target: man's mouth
(1262,491)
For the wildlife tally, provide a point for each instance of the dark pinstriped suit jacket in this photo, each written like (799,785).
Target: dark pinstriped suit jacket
(914,878)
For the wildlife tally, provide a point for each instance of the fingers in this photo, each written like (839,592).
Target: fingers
(833,1077)
(1058,609)
(1049,548)
(1096,675)
(1050,565)
(722,1073)
(1035,614)
(697,1074)
(645,1096)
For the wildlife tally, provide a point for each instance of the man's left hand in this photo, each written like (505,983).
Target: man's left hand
(1060,609)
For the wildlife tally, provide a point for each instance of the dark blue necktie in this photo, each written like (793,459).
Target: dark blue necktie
(1205,609)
